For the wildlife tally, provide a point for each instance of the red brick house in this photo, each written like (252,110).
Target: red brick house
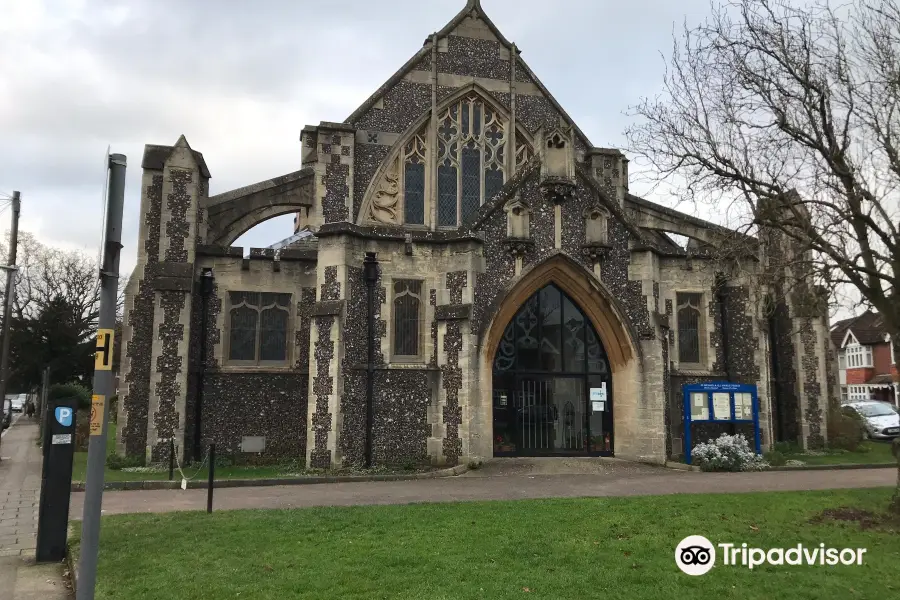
(866,359)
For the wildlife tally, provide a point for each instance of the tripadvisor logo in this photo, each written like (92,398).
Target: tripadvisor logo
(696,555)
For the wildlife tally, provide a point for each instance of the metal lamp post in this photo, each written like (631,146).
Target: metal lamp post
(370,275)
(207,282)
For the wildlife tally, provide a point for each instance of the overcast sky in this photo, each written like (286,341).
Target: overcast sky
(240,79)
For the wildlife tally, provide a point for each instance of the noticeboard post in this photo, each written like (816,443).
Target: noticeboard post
(720,402)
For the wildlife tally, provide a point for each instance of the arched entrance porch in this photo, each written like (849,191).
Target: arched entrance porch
(552,388)
(606,317)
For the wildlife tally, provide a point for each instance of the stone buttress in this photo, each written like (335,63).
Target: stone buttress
(158,301)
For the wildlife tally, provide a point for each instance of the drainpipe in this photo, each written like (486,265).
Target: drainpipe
(206,287)
(370,275)
(720,299)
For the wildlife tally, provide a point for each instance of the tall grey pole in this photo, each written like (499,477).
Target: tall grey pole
(103,380)
(45,391)
(10,294)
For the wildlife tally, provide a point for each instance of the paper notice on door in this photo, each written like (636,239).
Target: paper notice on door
(598,394)
(597,406)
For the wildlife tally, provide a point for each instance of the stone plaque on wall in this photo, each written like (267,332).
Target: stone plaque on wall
(253,443)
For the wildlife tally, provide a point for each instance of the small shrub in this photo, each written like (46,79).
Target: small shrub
(475,465)
(775,458)
(59,391)
(846,431)
(728,453)
(787,448)
(225,460)
(117,462)
(114,409)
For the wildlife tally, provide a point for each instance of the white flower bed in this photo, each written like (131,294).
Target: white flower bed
(150,469)
(728,453)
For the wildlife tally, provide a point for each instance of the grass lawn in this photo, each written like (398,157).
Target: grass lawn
(573,548)
(873,452)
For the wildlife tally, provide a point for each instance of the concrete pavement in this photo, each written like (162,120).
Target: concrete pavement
(497,481)
(20,489)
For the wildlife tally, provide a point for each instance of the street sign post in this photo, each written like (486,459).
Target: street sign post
(103,379)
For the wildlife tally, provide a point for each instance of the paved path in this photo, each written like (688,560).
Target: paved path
(503,481)
(20,489)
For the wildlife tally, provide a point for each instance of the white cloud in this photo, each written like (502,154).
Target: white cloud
(241,79)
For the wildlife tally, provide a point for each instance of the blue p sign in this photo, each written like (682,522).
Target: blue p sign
(64,416)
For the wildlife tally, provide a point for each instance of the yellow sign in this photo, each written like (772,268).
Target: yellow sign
(104,355)
(98,406)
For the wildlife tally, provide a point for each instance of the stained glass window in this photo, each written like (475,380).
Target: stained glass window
(414,181)
(471,180)
(493,182)
(414,193)
(258,327)
(688,328)
(470,166)
(472,138)
(550,333)
(407,317)
(446,195)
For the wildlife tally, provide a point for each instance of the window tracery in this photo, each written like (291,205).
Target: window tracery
(469,166)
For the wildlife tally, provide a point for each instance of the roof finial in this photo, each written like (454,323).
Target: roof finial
(473,4)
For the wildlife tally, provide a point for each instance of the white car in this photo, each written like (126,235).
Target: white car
(18,403)
(880,420)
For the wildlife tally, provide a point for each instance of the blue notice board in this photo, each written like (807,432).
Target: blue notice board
(720,402)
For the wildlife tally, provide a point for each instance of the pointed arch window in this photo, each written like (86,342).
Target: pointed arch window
(407,319)
(414,181)
(258,328)
(472,139)
(468,167)
(690,328)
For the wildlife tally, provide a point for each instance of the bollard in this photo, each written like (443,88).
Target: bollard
(171,459)
(212,476)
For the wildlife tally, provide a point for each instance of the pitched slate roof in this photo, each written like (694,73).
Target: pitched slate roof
(868,329)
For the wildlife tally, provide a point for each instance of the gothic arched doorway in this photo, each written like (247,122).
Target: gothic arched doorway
(552,385)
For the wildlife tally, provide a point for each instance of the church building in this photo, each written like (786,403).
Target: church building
(524,301)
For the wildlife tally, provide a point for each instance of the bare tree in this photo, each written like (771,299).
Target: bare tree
(791,115)
(46,273)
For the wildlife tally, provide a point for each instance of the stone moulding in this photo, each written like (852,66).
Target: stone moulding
(173,284)
(173,277)
(396,234)
(452,312)
(220,251)
(328,308)
(403,367)
(517,246)
(596,251)
(293,254)
(557,189)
